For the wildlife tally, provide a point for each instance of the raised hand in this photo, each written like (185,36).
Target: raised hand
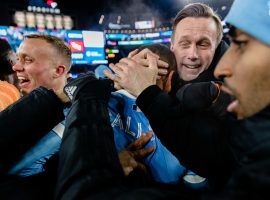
(133,76)
(129,157)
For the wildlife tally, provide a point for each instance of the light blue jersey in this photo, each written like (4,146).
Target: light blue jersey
(129,123)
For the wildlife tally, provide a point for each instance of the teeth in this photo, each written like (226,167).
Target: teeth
(192,66)
(22,78)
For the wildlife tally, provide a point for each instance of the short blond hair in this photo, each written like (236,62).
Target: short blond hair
(57,43)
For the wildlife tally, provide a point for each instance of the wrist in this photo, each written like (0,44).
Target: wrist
(141,89)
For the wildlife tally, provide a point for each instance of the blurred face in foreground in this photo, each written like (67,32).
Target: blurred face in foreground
(245,68)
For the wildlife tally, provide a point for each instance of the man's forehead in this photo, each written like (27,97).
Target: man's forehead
(196,23)
(29,46)
(196,26)
(195,36)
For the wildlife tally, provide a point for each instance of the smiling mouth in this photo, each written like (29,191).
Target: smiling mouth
(192,66)
(23,81)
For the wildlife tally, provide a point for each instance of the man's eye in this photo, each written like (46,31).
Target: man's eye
(184,44)
(240,43)
(28,60)
(204,44)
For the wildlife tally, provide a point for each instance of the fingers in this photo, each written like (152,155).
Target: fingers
(162,64)
(162,72)
(143,54)
(128,157)
(127,62)
(117,68)
(145,62)
(141,141)
(114,78)
(127,170)
(127,162)
(142,153)
(133,53)
(110,75)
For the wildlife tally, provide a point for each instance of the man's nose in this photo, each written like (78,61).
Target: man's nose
(224,67)
(17,66)
(193,53)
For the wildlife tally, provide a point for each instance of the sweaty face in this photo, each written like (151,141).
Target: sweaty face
(193,45)
(35,66)
(245,68)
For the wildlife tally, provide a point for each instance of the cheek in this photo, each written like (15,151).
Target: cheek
(34,70)
(179,56)
(207,57)
(249,87)
(40,76)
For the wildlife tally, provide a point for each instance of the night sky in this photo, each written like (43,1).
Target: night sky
(87,16)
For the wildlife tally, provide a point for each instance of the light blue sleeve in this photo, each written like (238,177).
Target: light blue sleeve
(129,123)
(33,161)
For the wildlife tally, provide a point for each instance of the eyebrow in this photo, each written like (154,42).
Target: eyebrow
(232,32)
(186,37)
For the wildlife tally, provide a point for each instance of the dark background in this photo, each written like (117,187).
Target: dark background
(86,14)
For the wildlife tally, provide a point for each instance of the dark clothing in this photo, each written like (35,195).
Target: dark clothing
(228,152)
(249,141)
(88,158)
(194,137)
(36,114)
(22,125)
(234,155)
(89,167)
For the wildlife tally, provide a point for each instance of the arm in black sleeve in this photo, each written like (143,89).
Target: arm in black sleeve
(196,139)
(23,123)
(89,161)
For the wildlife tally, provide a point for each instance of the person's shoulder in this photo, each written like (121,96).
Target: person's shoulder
(10,89)
(8,94)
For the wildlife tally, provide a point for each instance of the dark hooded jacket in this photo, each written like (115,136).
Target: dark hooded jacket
(195,137)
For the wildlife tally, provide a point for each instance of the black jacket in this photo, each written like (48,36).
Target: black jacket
(22,125)
(20,130)
(195,137)
(249,141)
(232,154)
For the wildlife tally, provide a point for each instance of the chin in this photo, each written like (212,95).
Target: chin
(245,114)
(190,77)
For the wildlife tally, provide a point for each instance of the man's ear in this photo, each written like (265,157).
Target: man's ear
(172,47)
(59,71)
